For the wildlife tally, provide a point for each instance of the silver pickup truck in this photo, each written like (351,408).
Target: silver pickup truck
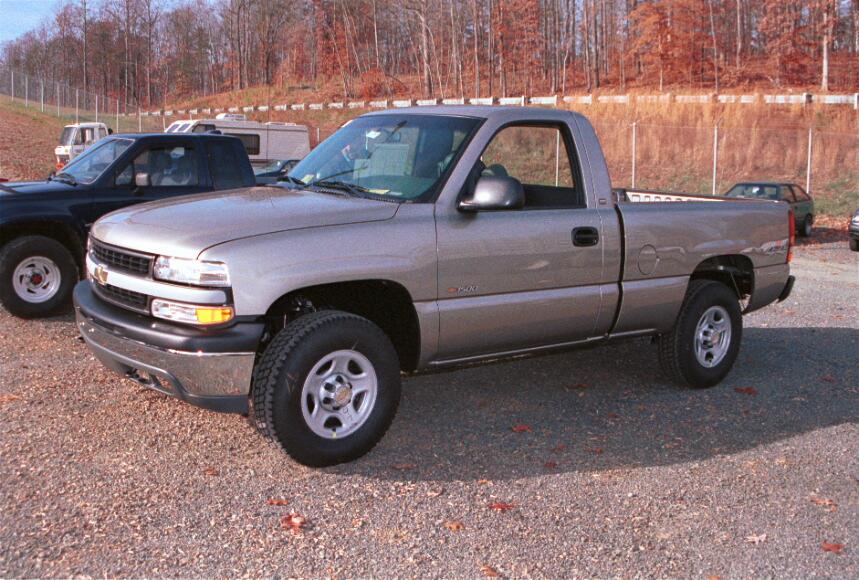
(416,239)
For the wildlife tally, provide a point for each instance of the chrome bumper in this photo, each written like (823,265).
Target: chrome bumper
(216,381)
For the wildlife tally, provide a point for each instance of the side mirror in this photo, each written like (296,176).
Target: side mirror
(142,180)
(494,193)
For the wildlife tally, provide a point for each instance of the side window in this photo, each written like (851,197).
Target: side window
(800,193)
(202,128)
(87,135)
(166,166)
(250,141)
(787,194)
(224,165)
(538,157)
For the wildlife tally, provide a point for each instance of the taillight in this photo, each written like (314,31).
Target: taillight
(791,228)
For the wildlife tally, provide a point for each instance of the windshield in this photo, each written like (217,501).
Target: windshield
(86,167)
(754,191)
(399,156)
(67,136)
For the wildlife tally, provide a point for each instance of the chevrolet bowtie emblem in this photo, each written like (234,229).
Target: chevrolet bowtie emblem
(100,274)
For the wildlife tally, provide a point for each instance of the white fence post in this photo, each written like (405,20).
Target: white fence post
(634,135)
(808,166)
(26,91)
(58,99)
(42,95)
(13,86)
(715,156)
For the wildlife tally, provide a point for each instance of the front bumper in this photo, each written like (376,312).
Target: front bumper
(207,368)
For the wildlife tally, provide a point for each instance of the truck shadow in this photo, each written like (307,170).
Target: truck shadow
(609,408)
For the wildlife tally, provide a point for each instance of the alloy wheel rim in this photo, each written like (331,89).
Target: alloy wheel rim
(36,279)
(712,336)
(339,394)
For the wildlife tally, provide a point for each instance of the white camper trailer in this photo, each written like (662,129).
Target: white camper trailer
(264,142)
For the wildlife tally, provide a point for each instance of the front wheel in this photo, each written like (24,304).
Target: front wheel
(854,244)
(703,345)
(37,275)
(327,388)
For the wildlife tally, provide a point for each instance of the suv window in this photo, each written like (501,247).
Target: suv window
(224,164)
(536,155)
(249,140)
(167,166)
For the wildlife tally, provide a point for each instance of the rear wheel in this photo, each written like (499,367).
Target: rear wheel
(806,227)
(854,244)
(37,275)
(327,388)
(703,345)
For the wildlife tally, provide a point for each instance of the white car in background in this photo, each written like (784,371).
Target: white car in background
(265,142)
(76,138)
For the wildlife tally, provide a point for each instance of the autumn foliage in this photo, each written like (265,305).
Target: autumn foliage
(151,53)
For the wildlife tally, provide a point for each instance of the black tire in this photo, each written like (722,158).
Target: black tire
(285,365)
(30,247)
(854,244)
(805,227)
(677,354)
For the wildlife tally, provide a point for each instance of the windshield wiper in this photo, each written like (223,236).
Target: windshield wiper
(65,178)
(292,179)
(343,186)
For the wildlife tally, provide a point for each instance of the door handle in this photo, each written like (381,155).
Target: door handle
(584,237)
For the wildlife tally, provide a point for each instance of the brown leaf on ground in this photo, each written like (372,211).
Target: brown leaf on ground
(8,398)
(828,379)
(521,428)
(293,522)
(404,466)
(824,502)
(278,501)
(746,390)
(211,471)
(489,571)
(484,482)
(834,548)
(759,539)
(551,465)
(595,450)
(501,506)
(612,415)
(558,448)
(453,525)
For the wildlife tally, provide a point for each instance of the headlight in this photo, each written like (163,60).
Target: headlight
(190,313)
(196,272)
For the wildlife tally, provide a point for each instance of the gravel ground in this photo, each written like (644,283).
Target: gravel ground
(606,469)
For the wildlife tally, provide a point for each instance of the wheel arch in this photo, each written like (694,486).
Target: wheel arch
(735,271)
(386,303)
(56,229)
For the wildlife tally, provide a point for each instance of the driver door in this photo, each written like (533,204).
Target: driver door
(521,278)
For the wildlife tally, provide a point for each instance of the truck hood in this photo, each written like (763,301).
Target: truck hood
(185,226)
(30,187)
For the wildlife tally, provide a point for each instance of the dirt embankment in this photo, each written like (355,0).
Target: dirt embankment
(27,146)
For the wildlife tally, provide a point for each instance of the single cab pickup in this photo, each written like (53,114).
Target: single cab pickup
(417,239)
(44,224)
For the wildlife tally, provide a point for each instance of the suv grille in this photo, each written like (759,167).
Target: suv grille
(121,259)
(122,297)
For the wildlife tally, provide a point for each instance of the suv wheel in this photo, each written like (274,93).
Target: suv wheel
(327,388)
(854,244)
(703,345)
(37,275)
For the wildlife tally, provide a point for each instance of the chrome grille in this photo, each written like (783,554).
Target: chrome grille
(121,259)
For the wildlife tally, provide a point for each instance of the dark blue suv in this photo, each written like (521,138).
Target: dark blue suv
(44,224)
